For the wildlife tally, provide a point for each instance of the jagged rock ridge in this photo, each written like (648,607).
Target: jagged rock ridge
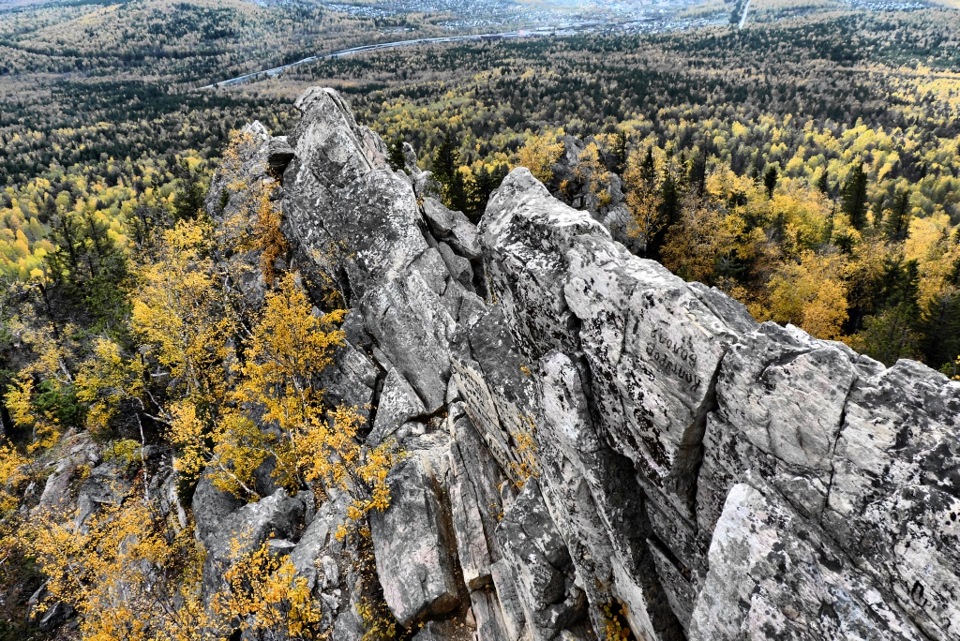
(698,475)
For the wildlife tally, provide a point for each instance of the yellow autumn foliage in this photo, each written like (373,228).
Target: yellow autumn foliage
(129,572)
(235,412)
(932,244)
(539,153)
(811,294)
(44,426)
(180,311)
(264,593)
(105,380)
(135,574)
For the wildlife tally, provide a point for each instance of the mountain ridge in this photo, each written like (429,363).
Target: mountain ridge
(656,458)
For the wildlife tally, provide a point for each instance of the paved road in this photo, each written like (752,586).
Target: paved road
(556,30)
(275,71)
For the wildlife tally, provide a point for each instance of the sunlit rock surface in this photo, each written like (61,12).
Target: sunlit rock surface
(592,441)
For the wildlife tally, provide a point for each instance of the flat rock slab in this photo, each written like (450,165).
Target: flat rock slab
(772,576)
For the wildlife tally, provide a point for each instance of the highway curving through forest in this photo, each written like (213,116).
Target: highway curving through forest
(641,24)
(342,53)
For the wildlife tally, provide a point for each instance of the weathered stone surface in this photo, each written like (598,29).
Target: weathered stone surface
(211,506)
(453,227)
(443,631)
(345,202)
(398,404)
(525,234)
(541,566)
(108,484)
(77,453)
(474,504)
(654,350)
(597,506)
(781,396)
(227,534)
(315,555)
(511,608)
(458,266)
(496,387)
(487,615)
(893,502)
(413,557)
(715,478)
(351,379)
(279,155)
(773,576)
(413,328)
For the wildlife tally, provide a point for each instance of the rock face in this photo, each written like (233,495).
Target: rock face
(591,441)
(413,559)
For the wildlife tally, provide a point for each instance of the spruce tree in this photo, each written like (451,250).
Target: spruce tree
(395,154)
(456,191)
(770,177)
(855,197)
(823,183)
(620,153)
(898,222)
(447,160)
(484,182)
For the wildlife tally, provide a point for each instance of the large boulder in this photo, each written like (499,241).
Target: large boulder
(541,566)
(228,534)
(413,553)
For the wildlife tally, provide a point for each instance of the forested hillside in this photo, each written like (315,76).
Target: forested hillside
(808,166)
(810,169)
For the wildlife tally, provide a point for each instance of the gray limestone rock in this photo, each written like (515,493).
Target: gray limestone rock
(211,506)
(458,266)
(279,155)
(511,608)
(487,616)
(452,227)
(351,379)
(227,534)
(343,200)
(413,557)
(398,404)
(773,576)
(712,477)
(525,234)
(107,484)
(475,504)
(597,507)
(893,499)
(413,328)
(77,453)
(541,565)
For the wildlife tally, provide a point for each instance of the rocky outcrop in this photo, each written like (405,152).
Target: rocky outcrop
(592,442)
(413,558)
(787,581)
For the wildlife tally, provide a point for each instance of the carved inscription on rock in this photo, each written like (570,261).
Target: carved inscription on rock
(676,357)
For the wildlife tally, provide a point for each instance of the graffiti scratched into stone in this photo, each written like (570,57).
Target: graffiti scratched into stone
(674,357)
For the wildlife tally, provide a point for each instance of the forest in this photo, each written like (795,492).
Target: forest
(809,167)
(820,188)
